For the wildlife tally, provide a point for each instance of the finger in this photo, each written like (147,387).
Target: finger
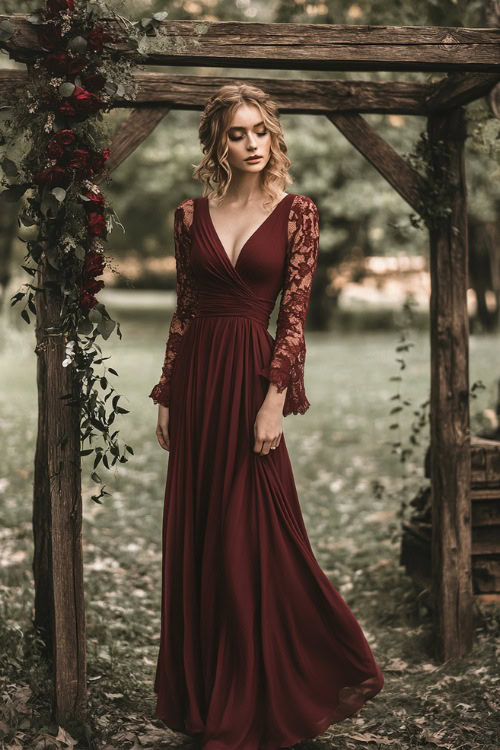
(161,442)
(161,439)
(266,447)
(257,445)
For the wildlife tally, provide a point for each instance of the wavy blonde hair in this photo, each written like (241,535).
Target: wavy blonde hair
(214,125)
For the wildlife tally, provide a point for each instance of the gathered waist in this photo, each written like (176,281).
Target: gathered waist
(253,308)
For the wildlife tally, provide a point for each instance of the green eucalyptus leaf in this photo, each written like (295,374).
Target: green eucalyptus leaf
(106,328)
(79,252)
(160,16)
(66,88)
(85,327)
(95,316)
(49,205)
(9,167)
(77,44)
(6,30)
(59,193)
(110,88)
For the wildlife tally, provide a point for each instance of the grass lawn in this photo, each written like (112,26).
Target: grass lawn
(351,487)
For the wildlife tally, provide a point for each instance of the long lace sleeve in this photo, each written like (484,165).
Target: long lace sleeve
(286,368)
(187,299)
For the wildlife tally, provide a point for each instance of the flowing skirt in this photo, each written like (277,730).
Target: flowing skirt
(258,650)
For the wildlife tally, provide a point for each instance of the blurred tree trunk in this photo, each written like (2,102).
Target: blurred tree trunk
(484,271)
(8,228)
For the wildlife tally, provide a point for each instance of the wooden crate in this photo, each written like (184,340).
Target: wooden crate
(485,517)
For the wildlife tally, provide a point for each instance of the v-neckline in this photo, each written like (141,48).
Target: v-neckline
(251,236)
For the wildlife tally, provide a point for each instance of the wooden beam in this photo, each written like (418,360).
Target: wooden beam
(293,96)
(130,134)
(298,96)
(57,513)
(403,178)
(296,46)
(450,422)
(459,89)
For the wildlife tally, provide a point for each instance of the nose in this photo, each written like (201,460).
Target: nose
(252,141)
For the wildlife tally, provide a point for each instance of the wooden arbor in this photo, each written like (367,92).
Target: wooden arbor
(471,58)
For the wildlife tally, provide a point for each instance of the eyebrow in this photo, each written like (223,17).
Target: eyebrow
(238,127)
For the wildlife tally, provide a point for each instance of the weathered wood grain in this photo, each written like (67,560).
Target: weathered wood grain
(459,89)
(450,421)
(235,44)
(293,96)
(297,96)
(57,497)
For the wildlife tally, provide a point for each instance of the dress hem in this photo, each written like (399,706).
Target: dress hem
(352,697)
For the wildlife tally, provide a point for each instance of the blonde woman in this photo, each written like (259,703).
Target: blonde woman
(258,650)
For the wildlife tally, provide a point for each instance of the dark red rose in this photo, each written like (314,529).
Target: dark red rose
(59,6)
(56,62)
(49,36)
(95,202)
(93,264)
(97,224)
(67,108)
(99,160)
(65,137)
(93,81)
(85,102)
(88,301)
(78,159)
(54,150)
(53,176)
(97,37)
(61,63)
(92,286)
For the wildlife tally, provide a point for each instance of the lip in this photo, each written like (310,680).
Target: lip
(254,158)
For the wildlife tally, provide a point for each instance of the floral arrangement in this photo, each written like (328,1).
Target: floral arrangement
(54,140)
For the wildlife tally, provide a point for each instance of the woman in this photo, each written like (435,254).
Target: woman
(258,650)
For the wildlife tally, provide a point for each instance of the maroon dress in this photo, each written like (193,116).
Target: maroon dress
(258,650)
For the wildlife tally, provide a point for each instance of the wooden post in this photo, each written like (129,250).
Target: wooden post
(450,426)
(57,515)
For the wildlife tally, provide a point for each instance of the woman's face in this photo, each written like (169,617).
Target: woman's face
(247,136)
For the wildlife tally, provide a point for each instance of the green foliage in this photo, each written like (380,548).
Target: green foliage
(53,139)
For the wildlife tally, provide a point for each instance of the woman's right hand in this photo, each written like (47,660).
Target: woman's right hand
(162,427)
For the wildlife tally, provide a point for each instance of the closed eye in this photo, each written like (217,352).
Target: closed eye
(238,138)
